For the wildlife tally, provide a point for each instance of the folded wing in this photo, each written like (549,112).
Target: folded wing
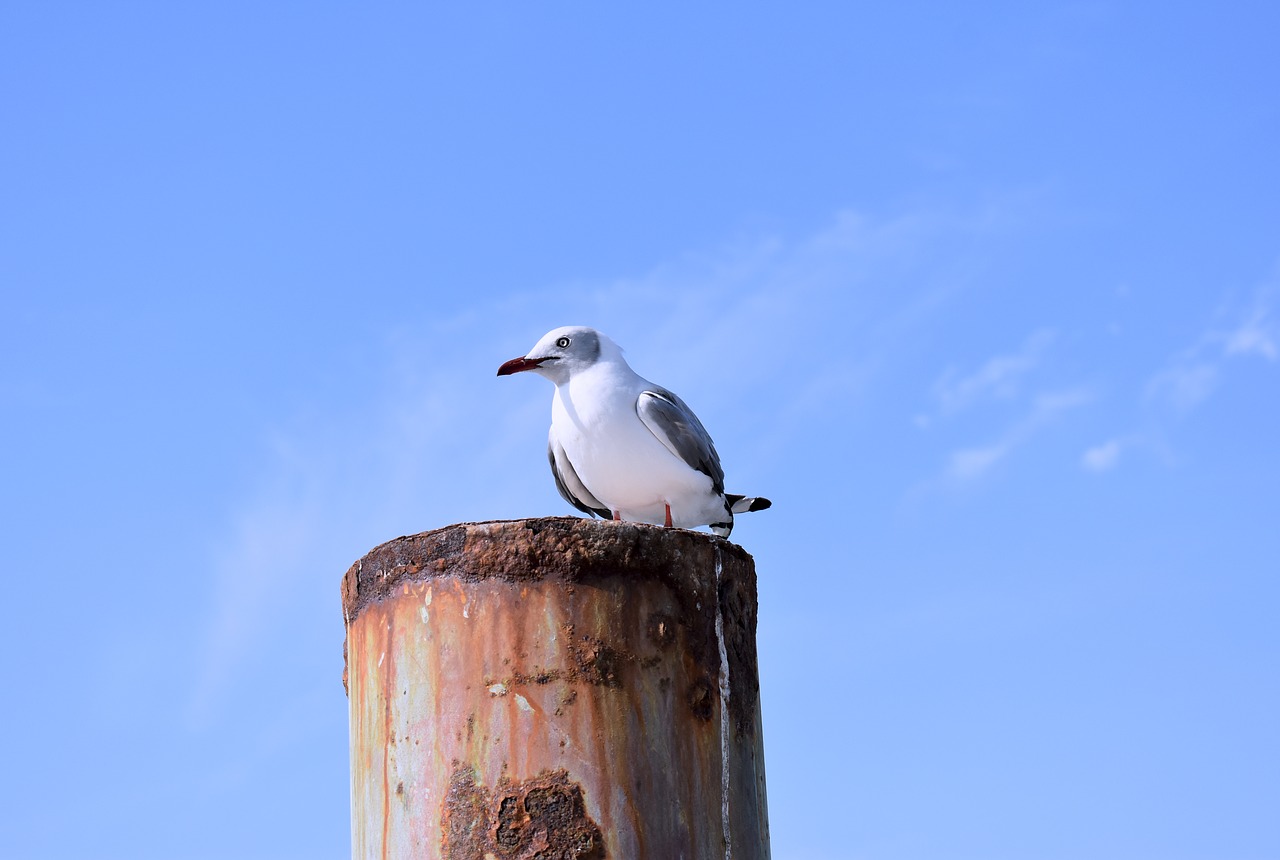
(676,427)
(570,485)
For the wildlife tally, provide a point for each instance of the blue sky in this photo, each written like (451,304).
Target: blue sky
(985,298)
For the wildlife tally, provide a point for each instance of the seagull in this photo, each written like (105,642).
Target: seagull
(623,448)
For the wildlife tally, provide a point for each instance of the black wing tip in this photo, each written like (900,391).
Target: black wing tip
(585,508)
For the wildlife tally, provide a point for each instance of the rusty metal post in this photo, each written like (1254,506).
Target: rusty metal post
(555,688)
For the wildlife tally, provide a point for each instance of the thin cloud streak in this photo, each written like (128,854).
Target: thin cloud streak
(968,464)
(1191,376)
(1257,335)
(1102,458)
(999,377)
(1184,384)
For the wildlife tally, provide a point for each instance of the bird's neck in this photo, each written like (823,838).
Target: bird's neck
(598,391)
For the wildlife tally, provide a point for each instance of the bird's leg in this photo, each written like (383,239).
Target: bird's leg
(668,507)
(617,516)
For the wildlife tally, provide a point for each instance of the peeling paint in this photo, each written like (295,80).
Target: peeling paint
(543,817)
(426,604)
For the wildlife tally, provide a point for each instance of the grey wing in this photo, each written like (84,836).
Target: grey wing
(676,427)
(570,485)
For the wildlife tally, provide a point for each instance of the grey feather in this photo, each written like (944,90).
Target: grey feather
(570,485)
(676,427)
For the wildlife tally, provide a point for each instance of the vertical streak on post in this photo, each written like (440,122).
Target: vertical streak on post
(549,688)
(724,716)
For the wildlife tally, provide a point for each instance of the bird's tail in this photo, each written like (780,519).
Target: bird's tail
(735,504)
(745,504)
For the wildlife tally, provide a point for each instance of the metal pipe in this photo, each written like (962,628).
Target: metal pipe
(555,688)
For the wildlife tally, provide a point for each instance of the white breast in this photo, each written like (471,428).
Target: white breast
(621,462)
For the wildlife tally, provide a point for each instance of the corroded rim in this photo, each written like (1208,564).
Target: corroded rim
(572,549)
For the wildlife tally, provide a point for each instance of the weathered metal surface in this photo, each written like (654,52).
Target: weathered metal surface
(555,688)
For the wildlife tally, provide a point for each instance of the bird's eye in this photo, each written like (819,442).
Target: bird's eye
(562,342)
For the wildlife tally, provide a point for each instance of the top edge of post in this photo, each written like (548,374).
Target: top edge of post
(572,549)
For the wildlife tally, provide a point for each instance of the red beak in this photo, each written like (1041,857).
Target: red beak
(516,365)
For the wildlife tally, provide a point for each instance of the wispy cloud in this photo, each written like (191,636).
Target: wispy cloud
(1191,375)
(275,543)
(1184,383)
(1001,378)
(967,464)
(1257,334)
(1189,378)
(998,377)
(1104,457)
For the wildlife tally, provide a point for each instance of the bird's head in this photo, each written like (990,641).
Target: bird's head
(561,353)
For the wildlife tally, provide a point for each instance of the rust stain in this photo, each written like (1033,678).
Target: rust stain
(591,661)
(568,698)
(701,698)
(466,816)
(543,818)
(661,629)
